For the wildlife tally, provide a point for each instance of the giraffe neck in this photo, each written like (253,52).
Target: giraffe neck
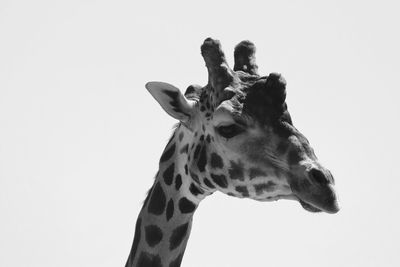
(164,223)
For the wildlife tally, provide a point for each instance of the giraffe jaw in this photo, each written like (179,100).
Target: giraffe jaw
(309,207)
(315,195)
(326,204)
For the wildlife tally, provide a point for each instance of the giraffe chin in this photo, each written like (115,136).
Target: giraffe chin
(309,207)
(331,206)
(316,198)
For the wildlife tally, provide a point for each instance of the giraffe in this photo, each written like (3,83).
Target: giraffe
(235,135)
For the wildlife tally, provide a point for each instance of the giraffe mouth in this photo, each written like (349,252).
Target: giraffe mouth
(309,207)
(328,204)
(316,198)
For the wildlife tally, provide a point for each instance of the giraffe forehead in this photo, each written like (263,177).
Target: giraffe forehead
(225,113)
(251,100)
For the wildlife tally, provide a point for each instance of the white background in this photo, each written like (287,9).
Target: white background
(80,137)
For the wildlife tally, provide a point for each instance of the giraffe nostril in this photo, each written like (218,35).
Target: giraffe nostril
(319,177)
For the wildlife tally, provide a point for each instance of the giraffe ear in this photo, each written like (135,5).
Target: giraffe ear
(171,100)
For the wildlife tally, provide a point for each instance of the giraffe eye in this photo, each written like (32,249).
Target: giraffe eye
(229,131)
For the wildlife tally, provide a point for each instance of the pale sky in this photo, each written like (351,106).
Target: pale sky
(80,137)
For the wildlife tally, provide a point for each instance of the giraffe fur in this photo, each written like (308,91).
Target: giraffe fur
(236,136)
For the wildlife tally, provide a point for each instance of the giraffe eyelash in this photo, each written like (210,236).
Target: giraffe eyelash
(229,131)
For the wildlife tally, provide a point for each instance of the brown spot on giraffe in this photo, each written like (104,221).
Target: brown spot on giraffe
(256,172)
(267,187)
(242,189)
(220,180)
(186,206)
(157,200)
(147,260)
(216,161)
(236,170)
(168,174)
(168,153)
(153,235)
(170,209)
(178,235)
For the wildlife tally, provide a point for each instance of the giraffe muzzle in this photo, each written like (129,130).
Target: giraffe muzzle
(316,191)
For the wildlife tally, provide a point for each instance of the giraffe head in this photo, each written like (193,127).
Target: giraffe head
(243,141)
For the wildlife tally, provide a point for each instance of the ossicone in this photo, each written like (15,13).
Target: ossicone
(245,59)
(276,87)
(220,74)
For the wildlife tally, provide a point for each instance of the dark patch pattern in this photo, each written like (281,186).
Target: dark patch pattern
(236,171)
(195,177)
(170,209)
(153,235)
(157,200)
(256,172)
(201,163)
(220,180)
(268,187)
(196,152)
(168,174)
(195,190)
(181,136)
(208,139)
(168,153)
(216,161)
(178,235)
(178,181)
(149,260)
(208,183)
(186,206)
(177,261)
(242,190)
(186,169)
(184,149)
(174,101)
